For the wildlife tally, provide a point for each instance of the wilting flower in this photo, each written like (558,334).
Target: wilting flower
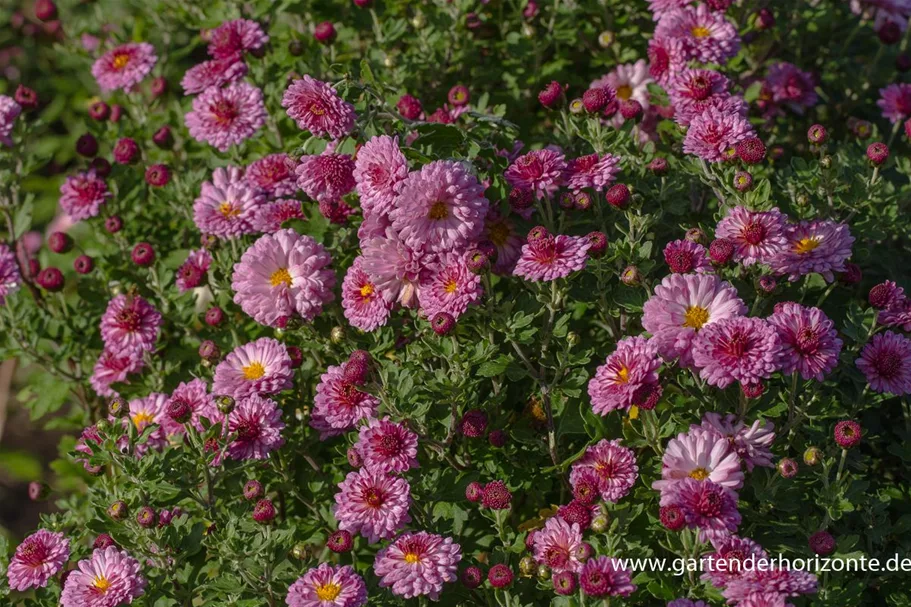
(757,236)
(613,464)
(316,107)
(328,586)
(604,576)
(130,323)
(227,116)
(10,279)
(451,289)
(558,545)
(707,36)
(592,172)
(109,577)
(82,195)
(232,38)
(373,504)
(213,73)
(737,349)
(339,404)
(886,362)
(541,171)
(700,455)
(713,134)
(705,505)
(752,443)
(629,371)
(257,424)
(380,168)
(125,66)
(387,446)
(227,206)
(37,559)
(417,564)
(552,258)
(274,174)
(809,340)
(364,306)
(193,271)
(258,367)
(820,246)
(498,230)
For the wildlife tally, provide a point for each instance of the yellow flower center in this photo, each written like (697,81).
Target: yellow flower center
(412,558)
(498,233)
(695,317)
(624,92)
(101,583)
(438,211)
(279,277)
(228,210)
(254,370)
(141,420)
(623,375)
(328,592)
(121,60)
(367,290)
(317,110)
(700,474)
(805,245)
(450,286)
(700,31)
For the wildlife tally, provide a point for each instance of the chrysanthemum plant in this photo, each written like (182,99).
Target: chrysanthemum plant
(478,303)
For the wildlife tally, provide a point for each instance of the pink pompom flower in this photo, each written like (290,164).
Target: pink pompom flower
(628,373)
(109,577)
(541,171)
(373,504)
(614,466)
(707,36)
(758,236)
(364,306)
(338,404)
(380,168)
(125,66)
(325,177)
(451,289)
(274,174)
(317,107)
(37,559)
(558,545)
(387,446)
(130,323)
(713,134)
(810,343)
(193,271)
(227,116)
(213,73)
(819,246)
(552,258)
(752,443)
(82,195)
(328,586)
(886,362)
(258,367)
(232,38)
(741,349)
(256,423)
(227,206)
(418,564)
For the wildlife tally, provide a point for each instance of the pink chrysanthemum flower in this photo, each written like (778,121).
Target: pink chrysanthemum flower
(452,289)
(373,504)
(109,578)
(886,362)
(227,116)
(687,603)
(541,171)
(328,586)
(418,564)
(144,412)
(604,576)
(700,455)
(758,236)
(896,314)
(130,323)
(752,443)
(227,206)
(112,367)
(257,424)
(819,246)
(274,174)
(558,545)
(784,582)
(440,208)
(82,195)
(325,177)
(614,465)
(125,66)
(213,73)
(791,86)
(339,404)
(195,394)
(387,446)
(396,268)
(259,367)
(316,107)
(9,111)
(552,258)
(630,81)
(272,216)
(380,168)
(193,271)
(707,36)
(737,349)
(365,307)
(713,133)
(684,256)
(706,505)
(696,90)
(729,560)
(592,172)
(629,371)
(667,58)
(810,343)
(765,599)
(659,8)
(281,274)
(10,279)
(38,558)
(232,38)
(499,231)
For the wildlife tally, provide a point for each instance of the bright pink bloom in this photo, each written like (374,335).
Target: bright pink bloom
(556,257)
(707,36)
(316,107)
(130,323)
(387,446)
(706,505)
(819,246)
(193,271)
(886,362)
(108,578)
(380,169)
(604,576)
(228,116)
(328,586)
(125,66)
(227,206)
(338,404)
(629,372)
(258,367)
(592,172)
(112,367)
(737,349)
(417,564)
(364,305)
(614,465)
(701,455)
(541,171)
(82,195)
(257,424)
(325,177)
(38,558)
(758,236)
(213,73)
(274,174)
(451,289)
(232,38)
(752,443)
(713,134)
(809,340)
(373,504)
(558,545)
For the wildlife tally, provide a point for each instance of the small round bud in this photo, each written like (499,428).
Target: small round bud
(38,491)
(631,109)
(527,566)
(60,242)
(225,404)
(300,551)
(672,518)
(159,86)
(474,492)
(126,151)
(118,510)
(50,279)
(822,543)
(473,423)
(753,390)
(500,576)
(658,166)
(543,573)
(787,467)
(459,95)
(214,316)
(101,166)
(103,541)
(163,138)
(325,33)
(847,434)
(113,224)
(180,411)
(817,134)
(296,356)
(337,335)
(296,48)
(551,95)
(497,439)
(340,542)
(143,254)
(118,407)
(596,99)
(442,323)
(721,250)
(253,490)
(157,175)
(878,153)
(618,196)
(812,456)
(471,577)
(743,181)
(565,583)
(852,274)
(409,107)
(576,106)
(264,511)
(146,517)
(83,264)
(751,150)
(631,276)
(765,20)
(99,111)
(208,350)
(87,145)
(605,39)
(45,10)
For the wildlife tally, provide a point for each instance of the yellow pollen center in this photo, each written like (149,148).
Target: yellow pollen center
(695,317)
(700,474)
(280,277)
(141,420)
(438,211)
(254,370)
(623,375)
(411,558)
(121,60)
(450,286)
(228,210)
(328,592)
(317,110)
(101,583)
(805,245)
(700,31)
(367,290)
(624,92)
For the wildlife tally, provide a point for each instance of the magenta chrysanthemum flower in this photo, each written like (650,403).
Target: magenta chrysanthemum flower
(498,230)
(440,208)
(687,603)
(706,505)
(227,206)
(886,362)
(380,169)
(700,455)
(820,246)
(614,465)
(259,367)
(737,349)
(552,257)
(10,278)
(213,73)
(714,133)
(396,268)
(684,256)
(895,102)
(451,289)
(112,367)
(809,341)
(339,404)
(387,446)
(373,504)
(696,90)
(727,563)
(257,424)
(281,274)
(791,86)
(667,58)
(227,116)
(630,82)
(195,394)
(82,195)
(325,177)
(706,35)
(604,576)
(752,443)
(418,564)
(784,582)
(274,174)
(232,38)
(659,8)
(109,578)
(38,558)
(364,305)
(193,271)
(592,172)
(9,111)
(630,371)
(765,599)
(130,323)
(125,66)
(328,586)
(757,236)
(316,107)
(540,171)
(272,216)
(558,545)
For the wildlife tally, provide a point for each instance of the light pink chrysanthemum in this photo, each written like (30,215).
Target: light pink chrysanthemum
(274,174)
(328,586)
(740,349)
(700,455)
(213,73)
(729,560)
(684,256)
(339,403)
(752,443)
(130,323)
(227,116)
(109,578)
(604,576)
(499,231)
(440,208)
(325,177)
(592,172)
(705,505)
(112,367)
(558,545)
(629,80)
(810,343)
(614,465)
(10,278)
(552,258)
(373,504)
(707,36)
(784,582)
(195,394)
(714,133)
(259,367)
(758,236)
(125,66)
(380,169)
(791,86)
(232,38)
(9,111)
(886,362)
(418,564)
(317,107)
(364,305)
(451,289)
(193,271)
(628,372)
(38,558)
(257,425)
(396,268)
(146,411)
(281,274)
(541,171)
(387,446)
(82,195)
(667,58)
(227,206)
(819,246)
